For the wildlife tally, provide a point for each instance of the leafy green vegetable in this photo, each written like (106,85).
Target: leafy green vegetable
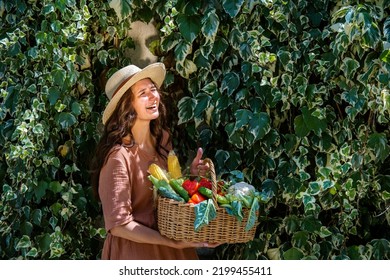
(205,212)
(252,217)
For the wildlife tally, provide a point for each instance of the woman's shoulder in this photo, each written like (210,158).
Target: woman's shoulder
(118,152)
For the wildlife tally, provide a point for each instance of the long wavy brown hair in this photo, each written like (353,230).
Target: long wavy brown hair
(118,126)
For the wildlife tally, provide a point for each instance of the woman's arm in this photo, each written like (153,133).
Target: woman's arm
(142,234)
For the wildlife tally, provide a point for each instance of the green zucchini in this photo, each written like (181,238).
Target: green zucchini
(163,191)
(176,186)
(160,183)
(209,194)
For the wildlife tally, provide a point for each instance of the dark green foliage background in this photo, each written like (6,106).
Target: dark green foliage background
(293,96)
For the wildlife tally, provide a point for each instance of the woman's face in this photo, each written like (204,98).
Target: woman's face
(146,100)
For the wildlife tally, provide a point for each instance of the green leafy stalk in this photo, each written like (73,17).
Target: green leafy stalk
(252,217)
(205,212)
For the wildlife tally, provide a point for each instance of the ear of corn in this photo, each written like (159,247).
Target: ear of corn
(174,167)
(158,172)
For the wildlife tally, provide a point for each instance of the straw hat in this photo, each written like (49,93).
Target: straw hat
(124,78)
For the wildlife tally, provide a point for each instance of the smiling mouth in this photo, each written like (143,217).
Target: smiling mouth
(153,106)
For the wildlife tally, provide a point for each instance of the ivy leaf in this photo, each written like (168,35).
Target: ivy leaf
(259,125)
(291,224)
(284,57)
(378,142)
(235,137)
(189,26)
(44,242)
(37,217)
(300,127)
(122,8)
(186,107)
(201,61)
(269,189)
(202,104)
(300,239)
(170,41)
(205,212)
(24,242)
(40,190)
(232,7)
(349,67)
(66,119)
(210,24)
(385,56)
(230,83)
(371,33)
(182,49)
(219,47)
(313,123)
(102,56)
(311,224)
(59,76)
(186,68)
(386,29)
(381,249)
(242,118)
(293,254)
(231,160)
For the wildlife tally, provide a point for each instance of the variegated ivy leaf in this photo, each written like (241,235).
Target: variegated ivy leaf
(186,68)
(186,109)
(189,26)
(230,83)
(378,143)
(232,7)
(210,24)
(122,8)
(182,49)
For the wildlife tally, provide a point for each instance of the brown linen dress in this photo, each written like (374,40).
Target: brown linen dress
(126,195)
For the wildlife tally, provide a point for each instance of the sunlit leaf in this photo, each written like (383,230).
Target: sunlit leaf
(186,109)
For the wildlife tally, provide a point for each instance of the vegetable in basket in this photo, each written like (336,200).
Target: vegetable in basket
(191,186)
(196,198)
(177,186)
(209,194)
(174,168)
(165,189)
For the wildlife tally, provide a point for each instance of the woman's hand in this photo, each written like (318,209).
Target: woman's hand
(198,167)
(185,244)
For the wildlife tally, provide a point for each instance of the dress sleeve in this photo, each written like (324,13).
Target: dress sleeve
(115,191)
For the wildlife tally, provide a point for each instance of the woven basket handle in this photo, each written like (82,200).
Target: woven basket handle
(213,178)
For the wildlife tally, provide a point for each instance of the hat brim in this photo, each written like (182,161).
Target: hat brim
(156,72)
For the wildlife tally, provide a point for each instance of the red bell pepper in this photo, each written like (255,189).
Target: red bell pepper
(191,186)
(205,183)
(196,198)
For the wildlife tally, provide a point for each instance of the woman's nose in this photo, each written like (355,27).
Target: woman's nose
(153,95)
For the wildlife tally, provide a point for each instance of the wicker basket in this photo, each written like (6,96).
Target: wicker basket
(176,221)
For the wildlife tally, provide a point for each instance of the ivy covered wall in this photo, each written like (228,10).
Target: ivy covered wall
(292,95)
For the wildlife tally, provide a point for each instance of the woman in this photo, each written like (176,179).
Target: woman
(135,135)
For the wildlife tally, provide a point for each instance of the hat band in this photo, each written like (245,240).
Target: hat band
(122,84)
